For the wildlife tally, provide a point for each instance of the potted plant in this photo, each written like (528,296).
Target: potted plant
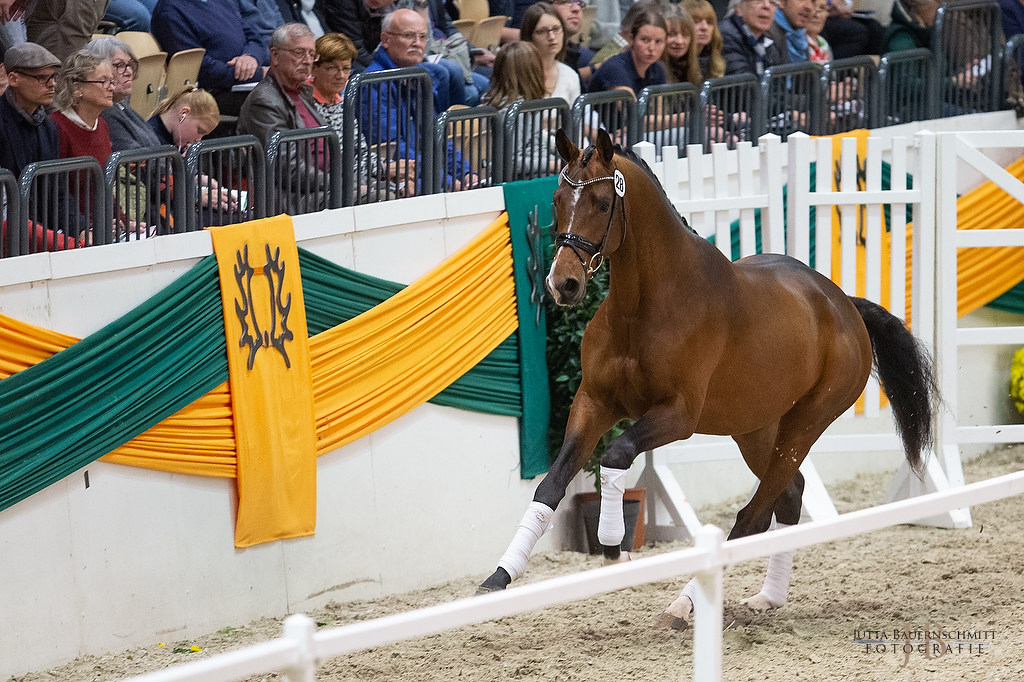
(565,333)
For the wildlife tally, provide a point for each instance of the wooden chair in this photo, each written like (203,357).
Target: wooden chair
(146,88)
(473,9)
(182,71)
(143,44)
(488,31)
(466,27)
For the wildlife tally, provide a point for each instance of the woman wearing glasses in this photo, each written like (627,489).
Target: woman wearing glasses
(128,130)
(85,87)
(544,27)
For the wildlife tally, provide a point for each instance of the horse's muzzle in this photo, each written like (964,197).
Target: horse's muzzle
(566,291)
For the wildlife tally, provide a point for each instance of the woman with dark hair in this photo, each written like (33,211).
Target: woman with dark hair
(680,56)
(544,27)
(640,64)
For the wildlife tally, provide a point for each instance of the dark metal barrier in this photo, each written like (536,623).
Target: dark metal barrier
(394,110)
(141,196)
(529,138)
(668,116)
(967,42)
(305,171)
(613,110)
(10,212)
(226,181)
(850,88)
(468,143)
(63,205)
(1013,74)
(906,87)
(731,110)
(791,98)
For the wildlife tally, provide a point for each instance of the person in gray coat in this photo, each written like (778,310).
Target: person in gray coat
(283,101)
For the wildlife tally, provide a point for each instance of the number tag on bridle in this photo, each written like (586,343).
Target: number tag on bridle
(620,183)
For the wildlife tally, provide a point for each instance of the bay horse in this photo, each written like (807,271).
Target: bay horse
(765,350)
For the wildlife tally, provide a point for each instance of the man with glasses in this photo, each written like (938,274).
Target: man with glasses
(746,46)
(283,101)
(577,56)
(235,55)
(788,29)
(27,134)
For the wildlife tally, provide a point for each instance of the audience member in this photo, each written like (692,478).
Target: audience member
(518,76)
(306,12)
(576,55)
(85,87)
(544,27)
(130,15)
(12,24)
(681,62)
(331,70)
(3,79)
(263,16)
(851,34)
(1012,12)
(128,130)
(235,55)
(27,134)
(746,46)
(640,65)
(361,21)
(283,101)
(449,49)
(63,26)
(789,28)
(708,38)
(818,48)
(184,118)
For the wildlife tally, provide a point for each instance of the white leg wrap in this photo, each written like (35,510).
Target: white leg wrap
(776,580)
(690,591)
(536,521)
(611,528)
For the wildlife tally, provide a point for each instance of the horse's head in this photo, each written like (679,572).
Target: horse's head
(590,204)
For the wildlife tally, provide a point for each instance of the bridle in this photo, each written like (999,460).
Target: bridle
(578,243)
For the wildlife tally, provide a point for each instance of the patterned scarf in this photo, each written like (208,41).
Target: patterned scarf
(759,45)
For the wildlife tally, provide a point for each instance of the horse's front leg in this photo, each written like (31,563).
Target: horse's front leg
(659,426)
(587,423)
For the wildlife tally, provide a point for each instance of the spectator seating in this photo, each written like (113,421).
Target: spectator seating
(473,9)
(487,33)
(182,71)
(142,43)
(146,88)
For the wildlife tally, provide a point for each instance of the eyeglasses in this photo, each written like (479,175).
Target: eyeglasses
(545,32)
(411,36)
(335,70)
(105,83)
(299,53)
(580,3)
(43,80)
(763,3)
(121,67)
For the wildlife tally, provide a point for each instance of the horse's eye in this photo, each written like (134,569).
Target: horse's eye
(603,207)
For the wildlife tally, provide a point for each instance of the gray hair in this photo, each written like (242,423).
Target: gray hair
(75,69)
(285,33)
(106,47)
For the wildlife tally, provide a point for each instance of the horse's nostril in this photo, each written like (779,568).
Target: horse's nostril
(570,286)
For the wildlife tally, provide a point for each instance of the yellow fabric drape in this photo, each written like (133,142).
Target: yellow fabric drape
(376,367)
(269,374)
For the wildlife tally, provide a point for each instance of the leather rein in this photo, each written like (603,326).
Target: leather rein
(578,243)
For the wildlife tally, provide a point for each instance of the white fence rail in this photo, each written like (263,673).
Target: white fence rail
(302,649)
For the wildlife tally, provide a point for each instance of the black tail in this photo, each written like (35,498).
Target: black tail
(904,369)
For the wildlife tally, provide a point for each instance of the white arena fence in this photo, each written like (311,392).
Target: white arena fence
(303,649)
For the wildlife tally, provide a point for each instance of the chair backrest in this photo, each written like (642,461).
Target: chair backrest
(467,27)
(488,31)
(142,43)
(182,70)
(146,88)
(587,23)
(473,9)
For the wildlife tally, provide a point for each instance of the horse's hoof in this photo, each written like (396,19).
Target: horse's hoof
(760,603)
(623,557)
(497,581)
(667,621)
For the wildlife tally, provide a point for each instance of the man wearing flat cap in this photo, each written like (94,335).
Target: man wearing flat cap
(27,134)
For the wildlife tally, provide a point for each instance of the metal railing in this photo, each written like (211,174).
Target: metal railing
(731,110)
(63,205)
(791,98)
(304,167)
(669,116)
(10,213)
(235,164)
(967,44)
(906,87)
(529,129)
(614,110)
(850,93)
(141,192)
(468,142)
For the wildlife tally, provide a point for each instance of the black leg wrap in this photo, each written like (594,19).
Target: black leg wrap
(499,580)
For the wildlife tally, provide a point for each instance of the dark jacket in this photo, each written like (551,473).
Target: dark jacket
(739,54)
(352,18)
(128,130)
(904,32)
(216,27)
(23,138)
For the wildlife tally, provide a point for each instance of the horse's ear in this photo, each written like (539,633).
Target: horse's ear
(566,149)
(604,146)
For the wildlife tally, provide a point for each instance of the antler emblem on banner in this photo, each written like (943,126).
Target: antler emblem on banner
(280,305)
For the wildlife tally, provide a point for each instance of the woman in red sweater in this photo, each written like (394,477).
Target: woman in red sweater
(85,87)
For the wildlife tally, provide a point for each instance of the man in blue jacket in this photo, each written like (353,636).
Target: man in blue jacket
(235,53)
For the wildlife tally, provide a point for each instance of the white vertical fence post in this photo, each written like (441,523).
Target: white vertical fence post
(708,610)
(773,218)
(300,628)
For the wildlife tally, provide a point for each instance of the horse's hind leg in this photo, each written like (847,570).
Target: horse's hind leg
(775,588)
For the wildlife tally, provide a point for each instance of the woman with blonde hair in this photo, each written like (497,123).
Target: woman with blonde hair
(187,117)
(708,38)
(85,87)
(681,51)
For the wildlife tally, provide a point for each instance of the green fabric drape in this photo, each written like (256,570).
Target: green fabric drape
(101,392)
